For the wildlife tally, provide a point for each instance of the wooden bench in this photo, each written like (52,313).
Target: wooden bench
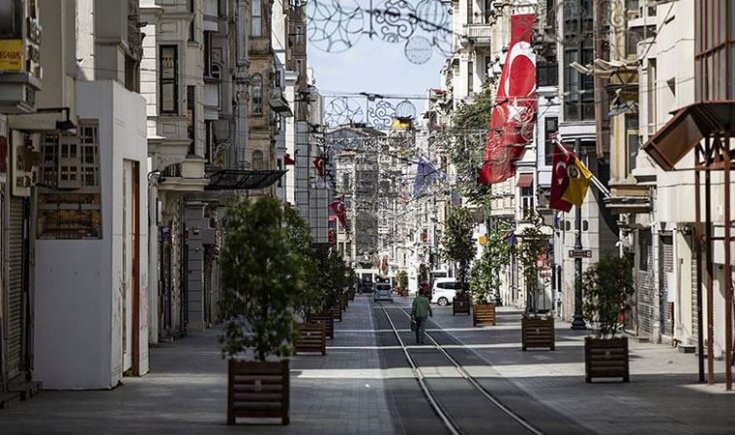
(484,315)
(258,390)
(312,338)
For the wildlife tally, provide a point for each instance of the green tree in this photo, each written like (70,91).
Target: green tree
(298,233)
(533,245)
(606,287)
(457,243)
(334,274)
(402,279)
(466,143)
(486,272)
(262,278)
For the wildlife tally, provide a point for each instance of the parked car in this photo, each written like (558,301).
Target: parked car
(444,290)
(383,292)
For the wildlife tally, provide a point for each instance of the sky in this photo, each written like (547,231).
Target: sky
(374,67)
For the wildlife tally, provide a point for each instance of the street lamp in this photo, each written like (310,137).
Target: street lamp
(577,320)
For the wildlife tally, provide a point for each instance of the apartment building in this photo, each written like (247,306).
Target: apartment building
(81,207)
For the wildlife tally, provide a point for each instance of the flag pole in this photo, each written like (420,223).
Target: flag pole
(577,320)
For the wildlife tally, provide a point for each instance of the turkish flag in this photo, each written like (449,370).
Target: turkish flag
(560,178)
(513,116)
(287,160)
(338,207)
(319,165)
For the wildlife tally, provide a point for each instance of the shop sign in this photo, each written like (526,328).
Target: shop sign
(11,55)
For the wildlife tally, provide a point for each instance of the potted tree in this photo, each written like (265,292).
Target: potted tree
(537,329)
(459,247)
(485,275)
(402,283)
(312,334)
(606,287)
(262,279)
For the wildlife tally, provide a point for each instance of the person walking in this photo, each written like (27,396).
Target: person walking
(420,312)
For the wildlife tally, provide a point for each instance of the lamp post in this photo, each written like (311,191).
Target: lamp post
(577,320)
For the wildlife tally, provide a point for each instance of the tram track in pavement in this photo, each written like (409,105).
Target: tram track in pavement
(459,401)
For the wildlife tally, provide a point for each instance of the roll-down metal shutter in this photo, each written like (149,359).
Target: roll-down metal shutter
(667,268)
(16,291)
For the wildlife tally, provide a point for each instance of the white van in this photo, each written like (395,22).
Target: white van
(444,290)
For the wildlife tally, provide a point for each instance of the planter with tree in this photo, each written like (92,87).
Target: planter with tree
(312,333)
(485,276)
(537,329)
(606,287)
(263,281)
(459,247)
(333,276)
(402,283)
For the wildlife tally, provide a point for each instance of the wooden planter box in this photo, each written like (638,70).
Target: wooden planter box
(257,390)
(537,332)
(337,313)
(606,358)
(343,301)
(483,315)
(312,338)
(328,321)
(460,305)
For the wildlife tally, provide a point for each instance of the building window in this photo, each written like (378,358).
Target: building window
(470,76)
(470,12)
(579,97)
(11,19)
(257,160)
(489,15)
(551,128)
(256,92)
(527,201)
(488,66)
(299,66)
(209,141)
(168,82)
(299,34)
(632,141)
(191,24)
(66,162)
(651,95)
(191,117)
(207,54)
(256,14)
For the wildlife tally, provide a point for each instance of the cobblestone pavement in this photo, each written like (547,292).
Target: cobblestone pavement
(354,390)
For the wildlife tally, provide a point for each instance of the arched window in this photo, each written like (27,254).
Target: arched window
(256,92)
(257,160)
(256,12)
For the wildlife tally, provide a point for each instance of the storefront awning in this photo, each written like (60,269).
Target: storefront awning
(687,128)
(525,180)
(233,179)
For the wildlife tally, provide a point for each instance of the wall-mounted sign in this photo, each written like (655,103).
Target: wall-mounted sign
(11,55)
(580,253)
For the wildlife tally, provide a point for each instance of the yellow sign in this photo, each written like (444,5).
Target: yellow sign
(11,55)
(482,240)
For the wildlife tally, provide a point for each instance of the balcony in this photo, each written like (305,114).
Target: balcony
(478,34)
(187,176)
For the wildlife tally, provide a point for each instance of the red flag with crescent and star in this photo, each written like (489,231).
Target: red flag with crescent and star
(338,207)
(514,113)
(560,178)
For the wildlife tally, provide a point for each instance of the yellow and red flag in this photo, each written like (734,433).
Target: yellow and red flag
(570,180)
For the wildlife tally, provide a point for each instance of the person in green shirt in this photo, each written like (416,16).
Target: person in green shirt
(420,312)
